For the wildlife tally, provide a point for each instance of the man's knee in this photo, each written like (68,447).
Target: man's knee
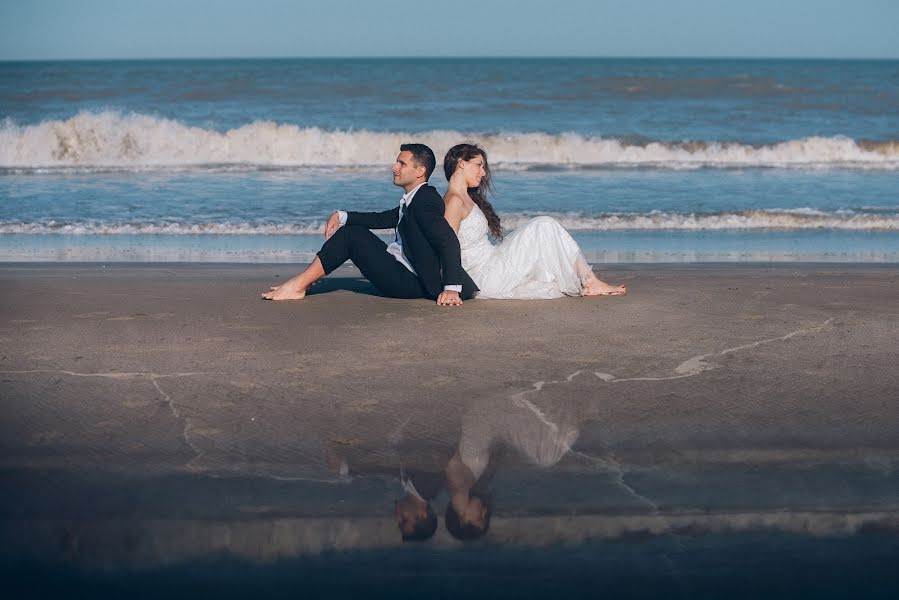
(351,234)
(357,238)
(345,236)
(336,249)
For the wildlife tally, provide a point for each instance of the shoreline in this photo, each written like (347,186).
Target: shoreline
(603,247)
(351,268)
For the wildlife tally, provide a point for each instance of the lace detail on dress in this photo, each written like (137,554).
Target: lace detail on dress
(475,243)
(474,229)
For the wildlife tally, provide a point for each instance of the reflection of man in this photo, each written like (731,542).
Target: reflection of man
(415,517)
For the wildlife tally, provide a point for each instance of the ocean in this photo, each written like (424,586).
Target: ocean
(644,161)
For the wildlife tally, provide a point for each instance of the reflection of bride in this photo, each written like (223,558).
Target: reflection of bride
(542,437)
(538,260)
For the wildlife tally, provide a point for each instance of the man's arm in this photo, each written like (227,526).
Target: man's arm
(442,237)
(381,220)
(375,220)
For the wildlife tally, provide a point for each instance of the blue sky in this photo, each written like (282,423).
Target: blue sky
(75,29)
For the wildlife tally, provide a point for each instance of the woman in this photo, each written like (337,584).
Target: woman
(538,260)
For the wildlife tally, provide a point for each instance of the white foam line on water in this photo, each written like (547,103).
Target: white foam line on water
(111,140)
(689,368)
(177,414)
(153,378)
(697,364)
(611,464)
(111,375)
(777,219)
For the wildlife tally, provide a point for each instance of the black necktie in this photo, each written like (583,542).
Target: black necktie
(402,212)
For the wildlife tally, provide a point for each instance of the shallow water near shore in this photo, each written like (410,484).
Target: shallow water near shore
(113,161)
(616,216)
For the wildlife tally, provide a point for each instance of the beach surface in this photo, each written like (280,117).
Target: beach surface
(161,413)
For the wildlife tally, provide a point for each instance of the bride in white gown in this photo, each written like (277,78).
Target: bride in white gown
(538,260)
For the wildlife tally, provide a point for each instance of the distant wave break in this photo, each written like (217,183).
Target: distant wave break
(96,141)
(773,219)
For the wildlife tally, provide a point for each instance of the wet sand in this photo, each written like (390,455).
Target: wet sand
(170,399)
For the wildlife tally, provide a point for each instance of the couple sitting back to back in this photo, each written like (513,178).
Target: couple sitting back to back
(442,250)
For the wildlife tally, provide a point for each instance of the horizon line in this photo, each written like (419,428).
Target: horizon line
(491,57)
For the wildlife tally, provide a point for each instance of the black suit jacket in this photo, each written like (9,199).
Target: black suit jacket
(429,242)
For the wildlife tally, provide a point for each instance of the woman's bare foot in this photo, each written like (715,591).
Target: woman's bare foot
(595,287)
(285,292)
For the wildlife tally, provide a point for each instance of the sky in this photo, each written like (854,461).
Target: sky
(121,29)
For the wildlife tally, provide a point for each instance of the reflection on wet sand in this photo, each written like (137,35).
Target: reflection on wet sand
(153,543)
(372,484)
(285,442)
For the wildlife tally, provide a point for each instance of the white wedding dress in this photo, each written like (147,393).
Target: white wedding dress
(536,261)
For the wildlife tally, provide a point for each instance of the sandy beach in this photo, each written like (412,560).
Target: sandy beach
(170,402)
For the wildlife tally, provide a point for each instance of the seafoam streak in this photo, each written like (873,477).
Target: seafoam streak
(110,140)
(770,219)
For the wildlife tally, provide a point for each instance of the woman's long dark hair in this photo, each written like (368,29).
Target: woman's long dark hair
(478,194)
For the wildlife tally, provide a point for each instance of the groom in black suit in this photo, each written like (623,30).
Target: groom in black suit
(424,261)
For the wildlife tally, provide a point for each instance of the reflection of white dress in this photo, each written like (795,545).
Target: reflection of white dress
(538,260)
(543,437)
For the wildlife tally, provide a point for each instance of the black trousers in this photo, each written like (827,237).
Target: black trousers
(369,253)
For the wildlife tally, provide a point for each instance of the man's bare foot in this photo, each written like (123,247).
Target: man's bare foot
(595,287)
(285,292)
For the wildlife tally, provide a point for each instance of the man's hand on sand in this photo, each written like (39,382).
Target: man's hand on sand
(449,298)
(332,225)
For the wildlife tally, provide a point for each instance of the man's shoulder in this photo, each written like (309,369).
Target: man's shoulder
(428,191)
(427,195)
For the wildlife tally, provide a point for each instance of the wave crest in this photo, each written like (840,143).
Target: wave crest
(774,219)
(110,140)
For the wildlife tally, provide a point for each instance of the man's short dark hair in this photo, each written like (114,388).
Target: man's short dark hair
(423,157)
(424,528)
(467,532)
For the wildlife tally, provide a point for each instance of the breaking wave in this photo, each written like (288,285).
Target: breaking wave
(773,219)
(98,141)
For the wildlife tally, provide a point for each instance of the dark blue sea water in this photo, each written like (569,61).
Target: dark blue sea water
(643,160)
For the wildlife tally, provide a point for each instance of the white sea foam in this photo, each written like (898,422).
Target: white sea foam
(772,219)
(783,219)
(95,141)
(168,228)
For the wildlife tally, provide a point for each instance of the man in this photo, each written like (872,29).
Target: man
(423,262)
(415,517)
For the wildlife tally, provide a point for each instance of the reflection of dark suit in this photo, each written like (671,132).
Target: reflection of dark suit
(428,242)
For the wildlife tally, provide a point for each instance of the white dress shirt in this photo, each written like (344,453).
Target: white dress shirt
(395,248)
